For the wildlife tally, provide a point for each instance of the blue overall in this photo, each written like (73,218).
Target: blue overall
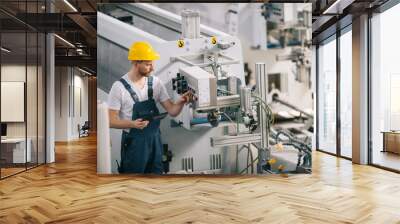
(141,149)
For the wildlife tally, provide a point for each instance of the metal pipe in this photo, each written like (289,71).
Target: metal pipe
(190,24)
(245,99)
(292,106)
(167,18)
(226,140)
(202,65)
(262,87)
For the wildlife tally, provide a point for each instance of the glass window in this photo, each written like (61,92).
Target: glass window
(14,153)
(346,93)
(385,89)
(327,96)
(22,92)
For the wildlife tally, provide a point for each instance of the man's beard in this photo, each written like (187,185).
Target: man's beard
(145,74)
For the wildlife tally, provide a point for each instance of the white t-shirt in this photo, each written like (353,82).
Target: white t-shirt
(120,99)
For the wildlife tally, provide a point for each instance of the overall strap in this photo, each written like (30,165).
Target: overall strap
(150,87)
(130,90)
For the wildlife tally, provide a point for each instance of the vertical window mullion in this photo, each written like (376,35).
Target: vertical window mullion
(338,74)
(37,89)
(0,92)
(26,86)
(369,80)
(317,97)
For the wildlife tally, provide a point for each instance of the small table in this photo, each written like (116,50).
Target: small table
(391,141)
(13,150)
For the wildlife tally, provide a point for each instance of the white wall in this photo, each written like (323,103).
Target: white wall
(70,83)
(33,126)
(79,118)
(61,103)
(12,73)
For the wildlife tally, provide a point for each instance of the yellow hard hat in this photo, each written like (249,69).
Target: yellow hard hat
(142,51)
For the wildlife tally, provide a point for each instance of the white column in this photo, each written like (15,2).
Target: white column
(50,99)
(360,90)
(50,92)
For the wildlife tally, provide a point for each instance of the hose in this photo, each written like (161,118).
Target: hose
(267,110)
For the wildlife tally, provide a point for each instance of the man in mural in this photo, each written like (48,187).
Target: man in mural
(132,107)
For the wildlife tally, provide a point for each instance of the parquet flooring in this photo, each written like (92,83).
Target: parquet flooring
(70,191)
(10,171)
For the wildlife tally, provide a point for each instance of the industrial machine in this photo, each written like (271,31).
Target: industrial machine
(228,127)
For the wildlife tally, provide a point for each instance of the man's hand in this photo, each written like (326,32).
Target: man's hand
(174,109)
(186,98)
(139,123)
(116,122)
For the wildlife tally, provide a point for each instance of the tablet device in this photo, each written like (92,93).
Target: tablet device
(160,116)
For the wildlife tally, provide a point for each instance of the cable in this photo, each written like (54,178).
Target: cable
(235,123)
(270,117)
(230,119)
(266,108)
(252,163)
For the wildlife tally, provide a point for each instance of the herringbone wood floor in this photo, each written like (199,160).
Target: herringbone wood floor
(69,191)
